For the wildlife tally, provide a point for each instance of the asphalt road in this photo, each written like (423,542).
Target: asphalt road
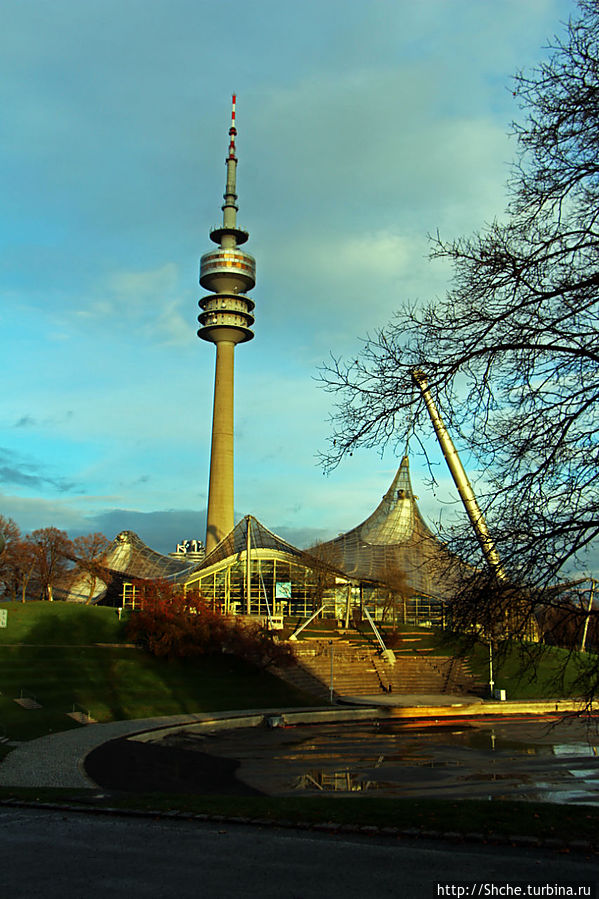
(59,855)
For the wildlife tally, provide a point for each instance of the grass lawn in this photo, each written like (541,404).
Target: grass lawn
(60,624)
(113,683)
(56,662)
(49,652)
(533,670)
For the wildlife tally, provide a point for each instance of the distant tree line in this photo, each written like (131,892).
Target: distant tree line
(40,564)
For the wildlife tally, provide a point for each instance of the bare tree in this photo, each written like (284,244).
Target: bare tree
(12,536)
(17,561)
(512,351)
(395,591)
(52,550)
(322,565)
(88,550)
(24,560)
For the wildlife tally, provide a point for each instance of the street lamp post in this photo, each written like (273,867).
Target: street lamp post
(331,674)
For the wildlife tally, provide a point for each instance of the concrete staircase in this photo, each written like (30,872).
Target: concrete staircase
(354,669)
(359,670)
(432,674)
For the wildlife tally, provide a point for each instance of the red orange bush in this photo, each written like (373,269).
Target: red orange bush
(170,624)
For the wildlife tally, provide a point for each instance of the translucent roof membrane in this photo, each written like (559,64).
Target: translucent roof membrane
(393,545)
(260,537)
(129,555)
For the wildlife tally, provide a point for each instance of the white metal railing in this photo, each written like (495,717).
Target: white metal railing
(387,654)
(306,623)
(374,629)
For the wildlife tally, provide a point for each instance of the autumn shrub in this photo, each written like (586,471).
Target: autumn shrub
(255,643)
(171,624)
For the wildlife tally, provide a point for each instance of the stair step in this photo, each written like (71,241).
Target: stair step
(359,669)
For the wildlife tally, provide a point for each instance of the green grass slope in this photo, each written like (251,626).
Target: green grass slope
(535,671)
(60,624)
(48,653)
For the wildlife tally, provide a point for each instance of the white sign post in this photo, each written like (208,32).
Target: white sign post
(3,617)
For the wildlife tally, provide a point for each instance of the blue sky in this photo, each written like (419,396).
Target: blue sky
(363,127)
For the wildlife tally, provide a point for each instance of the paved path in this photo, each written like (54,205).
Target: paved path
(56,760)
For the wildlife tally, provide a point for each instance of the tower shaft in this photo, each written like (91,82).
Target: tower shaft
(220,491)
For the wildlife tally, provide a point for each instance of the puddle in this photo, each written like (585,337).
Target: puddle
(526,760)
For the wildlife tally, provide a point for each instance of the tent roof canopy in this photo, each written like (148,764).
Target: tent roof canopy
(250,531)
(394,546)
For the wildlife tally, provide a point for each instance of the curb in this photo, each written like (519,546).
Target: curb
(517,841)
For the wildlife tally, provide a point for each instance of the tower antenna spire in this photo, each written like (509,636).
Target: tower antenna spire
(230,206)
(232,130)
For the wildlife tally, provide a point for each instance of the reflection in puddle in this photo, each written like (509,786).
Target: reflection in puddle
(471,760)
(574,749)
(527,760)
(335,781)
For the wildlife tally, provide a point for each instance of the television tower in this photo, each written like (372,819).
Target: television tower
(226,320)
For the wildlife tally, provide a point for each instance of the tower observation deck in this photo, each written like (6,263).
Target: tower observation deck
(226,320)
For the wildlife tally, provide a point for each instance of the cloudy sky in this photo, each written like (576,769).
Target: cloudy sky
(364,125)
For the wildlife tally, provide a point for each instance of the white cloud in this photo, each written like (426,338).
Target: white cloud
(171,325)
(151,300)
(31,513)
(143,287)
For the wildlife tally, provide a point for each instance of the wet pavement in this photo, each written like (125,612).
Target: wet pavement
(556,761)
(57,853)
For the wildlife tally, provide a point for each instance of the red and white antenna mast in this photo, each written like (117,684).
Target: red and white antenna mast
(232,131)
